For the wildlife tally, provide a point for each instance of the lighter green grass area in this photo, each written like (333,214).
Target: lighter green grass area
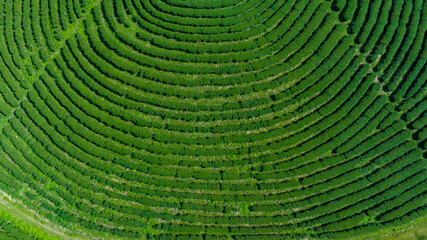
(26,219)
(415,230)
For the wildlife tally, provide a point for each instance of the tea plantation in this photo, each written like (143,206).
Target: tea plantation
(212,119)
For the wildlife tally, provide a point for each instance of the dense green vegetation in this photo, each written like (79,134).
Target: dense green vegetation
(212,119)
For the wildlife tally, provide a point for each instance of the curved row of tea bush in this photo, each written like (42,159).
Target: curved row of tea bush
(173,119)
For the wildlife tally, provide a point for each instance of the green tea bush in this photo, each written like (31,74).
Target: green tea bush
(171,119)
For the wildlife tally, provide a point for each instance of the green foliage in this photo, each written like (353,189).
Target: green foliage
(197,119)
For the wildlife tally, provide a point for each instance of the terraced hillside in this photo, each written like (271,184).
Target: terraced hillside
(212,119)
